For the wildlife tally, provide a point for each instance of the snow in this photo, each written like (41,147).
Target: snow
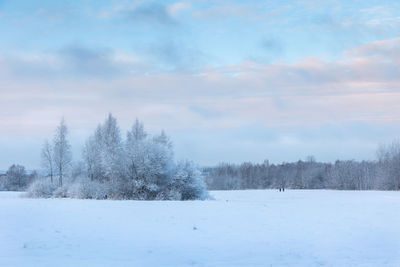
(238,228)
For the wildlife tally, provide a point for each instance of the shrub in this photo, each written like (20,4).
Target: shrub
(189,182)
(83,188)
(41,188)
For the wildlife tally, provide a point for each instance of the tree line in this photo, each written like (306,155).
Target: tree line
(380,174)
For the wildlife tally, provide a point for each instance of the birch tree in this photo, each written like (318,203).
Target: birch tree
(62,151)
(47,159)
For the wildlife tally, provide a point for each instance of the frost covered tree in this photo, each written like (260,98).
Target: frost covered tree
(164,140)
(137,132)
(163,156)
(62,151)
(135,150)
(92,158)
(149,161)
(108,138)
(103,152)
(48,159)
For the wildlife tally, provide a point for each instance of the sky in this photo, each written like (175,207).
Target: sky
(229,81)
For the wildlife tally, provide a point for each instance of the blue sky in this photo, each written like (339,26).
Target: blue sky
(228,80)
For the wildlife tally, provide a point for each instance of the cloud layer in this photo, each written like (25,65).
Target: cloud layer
(214,74)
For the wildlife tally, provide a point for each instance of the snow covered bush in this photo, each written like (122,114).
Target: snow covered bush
(189,181)
(85,188)
(41,188)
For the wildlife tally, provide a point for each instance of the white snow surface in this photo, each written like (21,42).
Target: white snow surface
(238,228)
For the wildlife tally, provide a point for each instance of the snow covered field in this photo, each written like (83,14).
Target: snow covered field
(239,228)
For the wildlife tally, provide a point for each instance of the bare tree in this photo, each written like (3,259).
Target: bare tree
(62,151)
(47,159)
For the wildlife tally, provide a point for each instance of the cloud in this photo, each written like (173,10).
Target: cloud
(205,112)
(223,11)
(176,8)
(152,13)
(81,60)
(385,48)
(272,48)
(70,62)
(272,45)
(172,54)
(165,80)
(309,93)
(381,16)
